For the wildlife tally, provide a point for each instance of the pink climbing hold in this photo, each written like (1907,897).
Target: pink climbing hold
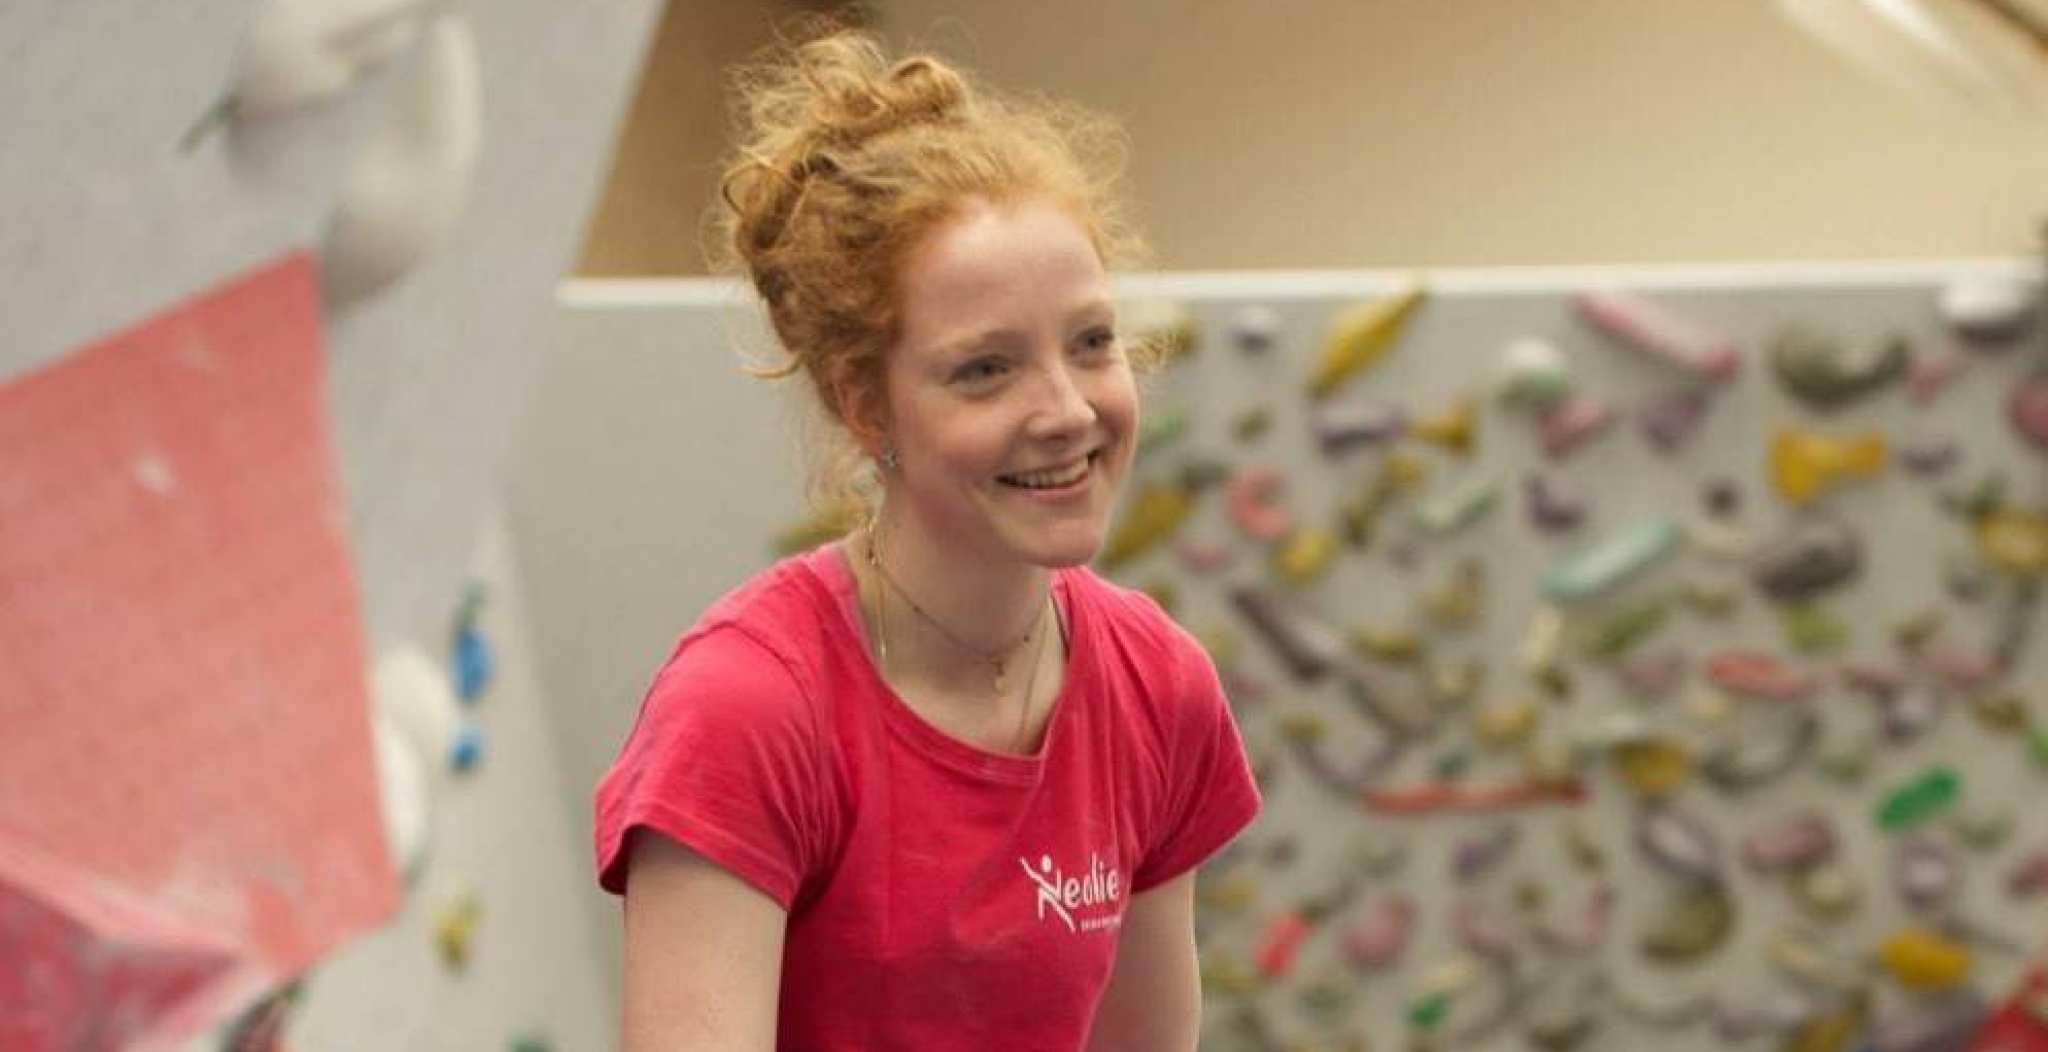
(1252,499)
(1760,675)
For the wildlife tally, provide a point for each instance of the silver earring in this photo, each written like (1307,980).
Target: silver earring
(889,460)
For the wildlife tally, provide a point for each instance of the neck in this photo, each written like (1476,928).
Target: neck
(994,606)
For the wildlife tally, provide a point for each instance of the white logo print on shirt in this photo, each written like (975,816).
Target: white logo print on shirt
(1065,895)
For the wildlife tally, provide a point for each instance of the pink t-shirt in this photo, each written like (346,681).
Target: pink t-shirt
(940,896)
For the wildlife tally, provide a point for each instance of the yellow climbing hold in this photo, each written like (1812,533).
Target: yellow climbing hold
(1156,512)
(2015,541)
(1305,554)
(1923,960)
(1361,336)
(1652,766)
(1803,463)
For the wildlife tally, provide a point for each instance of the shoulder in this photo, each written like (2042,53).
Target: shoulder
(1159,675)
(753,650)
(1137,627)
(779,617)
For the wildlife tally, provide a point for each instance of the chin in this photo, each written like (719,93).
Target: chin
(1060,552)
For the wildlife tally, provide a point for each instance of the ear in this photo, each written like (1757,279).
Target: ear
(862,407)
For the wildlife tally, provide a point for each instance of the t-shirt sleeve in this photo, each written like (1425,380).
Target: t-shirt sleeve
(1212,795)
(726,759)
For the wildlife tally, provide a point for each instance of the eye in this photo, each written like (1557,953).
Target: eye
(1099,341)
(981,370)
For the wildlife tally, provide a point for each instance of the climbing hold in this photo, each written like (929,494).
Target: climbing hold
(1252,424)
(1595,569)
(1153,516)
(468,749)
(1696,924)
(1670,419)
(1925,796)
(1813,555)
(2027,408)
(1278,944)
(1453,683)
(1478,854)
(1679,842)
(1826,374)
(470,654)
(1989,309)
(1906,714)
(1200,474)
(2003,711)
(1908,634)
(1803,463)
(1456,603)
(1160,427)
(1397,644)
(1532,374)
(1505,724)
(1709,598)
(1305,555)
(1930,374)
(1828,891)
(1644,326)
(1653,676)
(1722,496)
(1378,940)
(1254,328)
(1481,933)
(2015,541)
(1758,675)
(1307,647)
(2028,876)
(1799,841)
(1982,827)
(1810,629)
(1360,336)
(1341,426)
(1554,506)
(1622,630)
(1252,500)
(1203,556)
(1925,873)
(1572,423)
(1741,766)
(1452,429)
(1457,507)
(1653,767)
(1929,456)
(1924,960)
(455,928)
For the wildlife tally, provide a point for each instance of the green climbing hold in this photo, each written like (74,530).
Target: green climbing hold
(1427,1013)
(1932,792)
(1811,630)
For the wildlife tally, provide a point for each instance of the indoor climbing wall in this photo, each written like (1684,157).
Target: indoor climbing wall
(1630,659)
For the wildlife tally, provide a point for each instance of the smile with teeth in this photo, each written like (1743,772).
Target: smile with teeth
(1053,478)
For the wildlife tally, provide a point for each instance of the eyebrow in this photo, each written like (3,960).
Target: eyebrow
(975,341)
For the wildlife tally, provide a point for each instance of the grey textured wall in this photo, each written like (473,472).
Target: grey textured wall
(103,221)
(651,475)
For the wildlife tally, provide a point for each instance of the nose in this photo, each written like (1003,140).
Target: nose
(1062,409)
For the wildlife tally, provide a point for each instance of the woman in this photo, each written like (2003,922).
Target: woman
(935,785)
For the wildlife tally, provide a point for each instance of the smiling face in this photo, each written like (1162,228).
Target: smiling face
(1011,403)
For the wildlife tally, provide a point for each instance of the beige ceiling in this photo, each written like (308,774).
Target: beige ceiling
(1327,133)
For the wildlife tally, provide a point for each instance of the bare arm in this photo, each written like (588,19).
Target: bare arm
(703,960)
(1154,999)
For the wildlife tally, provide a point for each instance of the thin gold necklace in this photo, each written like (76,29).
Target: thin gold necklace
(1030,685)
(994,661)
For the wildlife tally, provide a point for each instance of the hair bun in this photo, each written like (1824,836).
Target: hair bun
(857,96)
